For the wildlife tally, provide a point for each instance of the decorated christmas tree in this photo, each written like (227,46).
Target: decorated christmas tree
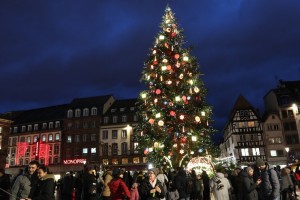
(174,120)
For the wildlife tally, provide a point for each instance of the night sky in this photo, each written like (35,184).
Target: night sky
(54,51)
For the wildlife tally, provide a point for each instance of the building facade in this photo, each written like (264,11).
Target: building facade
(285,101)
(117,147)
(243,134)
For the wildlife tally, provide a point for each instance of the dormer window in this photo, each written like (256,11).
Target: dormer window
(113,110)
(94,111)
(77,113)
(85,112)
(44,126)
(122,109)
(132,108)
(70,114)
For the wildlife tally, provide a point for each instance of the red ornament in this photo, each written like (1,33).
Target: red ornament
(176,56)
(151,121)
(183,139)
(166,45)
(146,151)
(173,34)
(183,98)
(158,91)
(172,113)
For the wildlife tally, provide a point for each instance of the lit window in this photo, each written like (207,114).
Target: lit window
(29,139)
(255,151)
(124,160)
(245,152)
(69,139)
(124,133)
(136,160)
(85,150)
(57,136)
(44,138)
(29,127)
(93,150)
(50,137)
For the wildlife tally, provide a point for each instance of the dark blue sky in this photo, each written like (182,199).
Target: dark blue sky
(54,51)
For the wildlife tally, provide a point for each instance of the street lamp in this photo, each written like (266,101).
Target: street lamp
(287,149)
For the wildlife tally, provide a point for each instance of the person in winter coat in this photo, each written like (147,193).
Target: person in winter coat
(249,191)
(118,188)
(164,181)
(180,184)
(198,195)
(270,186)
(206,191)
(286,183)
(151,188)
(44,189)
(236,180)
(67,186)
(220,186)
(23,184)
(107,177)
(172,193)
(134,192)
(89,183)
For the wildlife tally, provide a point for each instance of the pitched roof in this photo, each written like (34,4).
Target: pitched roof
(40,115)
(96,101)
(122,103)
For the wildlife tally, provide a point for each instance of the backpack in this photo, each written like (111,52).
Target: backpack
(189,186)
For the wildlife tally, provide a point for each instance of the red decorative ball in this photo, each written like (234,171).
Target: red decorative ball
(176,56)
(173,34)
(151,121)
(172,113)
(158,91)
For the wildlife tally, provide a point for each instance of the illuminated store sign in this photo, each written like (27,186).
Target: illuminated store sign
(74,161)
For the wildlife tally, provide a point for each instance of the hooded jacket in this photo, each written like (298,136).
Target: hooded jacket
(220,186)
(118,189)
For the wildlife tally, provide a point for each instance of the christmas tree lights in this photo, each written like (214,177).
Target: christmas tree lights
(174,120)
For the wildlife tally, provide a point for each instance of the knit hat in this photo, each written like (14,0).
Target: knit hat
(260,162)
(154,170)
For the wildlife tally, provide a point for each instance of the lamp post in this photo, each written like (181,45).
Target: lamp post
(287,149)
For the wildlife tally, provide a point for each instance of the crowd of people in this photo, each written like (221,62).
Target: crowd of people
(259,181)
